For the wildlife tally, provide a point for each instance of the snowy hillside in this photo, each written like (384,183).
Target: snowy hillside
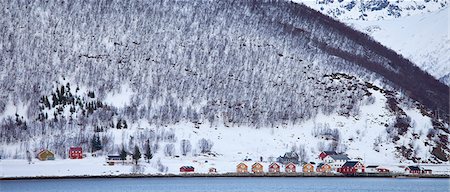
(362,137)
(225,81)
(374,9)
(418,29)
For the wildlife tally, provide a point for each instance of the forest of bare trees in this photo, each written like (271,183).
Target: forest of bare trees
(253,63)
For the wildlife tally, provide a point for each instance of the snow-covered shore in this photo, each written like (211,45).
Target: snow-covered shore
(92,166)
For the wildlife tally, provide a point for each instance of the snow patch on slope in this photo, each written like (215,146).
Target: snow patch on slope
(121,98)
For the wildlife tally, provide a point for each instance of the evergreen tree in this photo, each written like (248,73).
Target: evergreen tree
(96,143)
(119,124)
(124,124)
(123,155)
(136,154)
(148,151)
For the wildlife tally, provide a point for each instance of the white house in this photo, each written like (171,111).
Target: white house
(336,161)
(115,159)
(372,169)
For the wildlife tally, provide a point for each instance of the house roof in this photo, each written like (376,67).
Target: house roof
(350,163)
(320,165)
(274,164)
(372,166)
(255,164)
(240,164)
(45,151)
(414,168)
(291,155)
(330,152)
(113,156)
(187,167)
(290,163)
(340,157)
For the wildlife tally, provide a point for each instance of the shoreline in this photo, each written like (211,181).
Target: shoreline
(209,175)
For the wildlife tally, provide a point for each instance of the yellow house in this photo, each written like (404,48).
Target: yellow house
(308,168)
(242,168)
(45,155)
(323,168)
(257,168)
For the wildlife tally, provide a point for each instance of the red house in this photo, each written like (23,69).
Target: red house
(186,169)
(274,168)
(76,153)
(413,169)
(351,167)
(326,153)
(290,168)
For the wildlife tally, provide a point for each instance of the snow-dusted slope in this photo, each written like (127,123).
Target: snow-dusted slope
(424,39)
(419,30)
(374,9)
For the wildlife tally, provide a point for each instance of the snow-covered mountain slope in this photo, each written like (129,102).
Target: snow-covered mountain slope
(424,39)
(374,9)
(419,30)
(243,75)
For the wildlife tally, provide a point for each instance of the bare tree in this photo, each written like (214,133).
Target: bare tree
(169,150)
(185,146)
(205,145)
(28,157)
(302,154)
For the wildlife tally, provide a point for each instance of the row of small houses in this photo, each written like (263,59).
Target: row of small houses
(332,162)
(350,167)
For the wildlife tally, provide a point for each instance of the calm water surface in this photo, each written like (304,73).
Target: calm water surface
(228,184)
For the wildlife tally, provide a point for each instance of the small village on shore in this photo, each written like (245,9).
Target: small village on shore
(328,164)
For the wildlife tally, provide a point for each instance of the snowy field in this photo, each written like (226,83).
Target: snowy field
(97,166)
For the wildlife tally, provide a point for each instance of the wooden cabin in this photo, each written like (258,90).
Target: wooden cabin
(274,168)
(212,170)
(308,168)
(76,153)
(383,170)
(427,171)
(413,170)
(351,167)
(242,168)
(257,168)
(323,168)
(371,169)
(45,155)
(187,169)
(290,168)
